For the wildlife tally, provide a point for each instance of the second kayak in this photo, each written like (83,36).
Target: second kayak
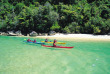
(56,42)
(58,46)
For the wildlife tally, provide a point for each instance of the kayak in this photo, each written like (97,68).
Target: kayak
(35,42)
(58,46)
(56,42)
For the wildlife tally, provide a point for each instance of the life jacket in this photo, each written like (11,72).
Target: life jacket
(55,41)
(28,40)
(46,40)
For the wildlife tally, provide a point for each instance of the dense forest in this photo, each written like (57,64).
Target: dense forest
(65,16)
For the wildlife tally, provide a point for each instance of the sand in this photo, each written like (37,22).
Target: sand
(74,37)
(68,37)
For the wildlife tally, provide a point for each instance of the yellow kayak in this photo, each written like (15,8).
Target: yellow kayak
(52,42)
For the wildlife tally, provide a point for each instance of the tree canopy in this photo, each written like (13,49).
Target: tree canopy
(66,16)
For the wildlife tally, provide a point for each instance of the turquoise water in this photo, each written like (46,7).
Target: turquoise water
(18,57)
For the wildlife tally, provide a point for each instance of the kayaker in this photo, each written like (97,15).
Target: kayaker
(46,40)
(28,40)
(34,41)
(54,43)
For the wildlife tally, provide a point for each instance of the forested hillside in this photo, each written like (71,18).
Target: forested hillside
(66,16)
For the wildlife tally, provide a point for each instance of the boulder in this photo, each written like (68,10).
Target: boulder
(33,34)
(52,33)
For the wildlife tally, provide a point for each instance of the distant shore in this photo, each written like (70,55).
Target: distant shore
(75,37)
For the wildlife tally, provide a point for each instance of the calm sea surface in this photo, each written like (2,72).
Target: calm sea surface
(18,57)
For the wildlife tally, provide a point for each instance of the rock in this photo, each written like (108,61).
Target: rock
(33,34)
(52,33)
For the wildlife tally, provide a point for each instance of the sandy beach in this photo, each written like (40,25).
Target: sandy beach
(75,37)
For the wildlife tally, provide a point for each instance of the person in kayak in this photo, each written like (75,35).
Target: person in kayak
(46,40)
(54,43)
(34,41)
(28,40)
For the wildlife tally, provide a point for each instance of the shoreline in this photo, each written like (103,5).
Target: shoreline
(75,37)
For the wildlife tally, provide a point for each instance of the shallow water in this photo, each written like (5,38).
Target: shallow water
(18,57)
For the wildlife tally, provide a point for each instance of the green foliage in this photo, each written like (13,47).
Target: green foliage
(53,17)
(66,29)
(4,1)
(48,7)
(96,30)
(55,26)
(74,27)
(70,16)
(2,24)
(19,7)
(36,4)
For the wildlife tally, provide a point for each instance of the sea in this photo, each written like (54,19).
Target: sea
(87,57)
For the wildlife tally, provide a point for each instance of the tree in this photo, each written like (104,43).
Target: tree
(19,7)
(55,26)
